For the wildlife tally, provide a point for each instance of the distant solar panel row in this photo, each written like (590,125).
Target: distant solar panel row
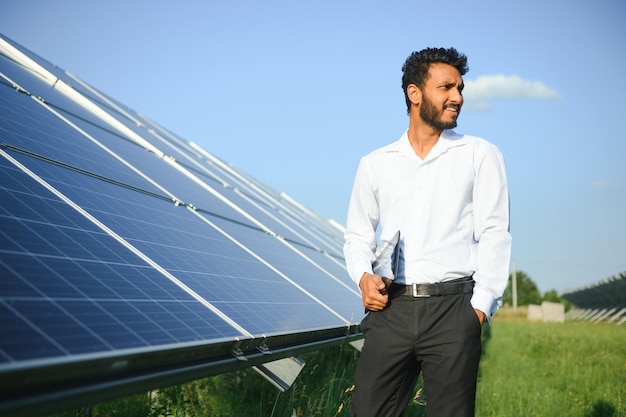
(610,293)
(119,238)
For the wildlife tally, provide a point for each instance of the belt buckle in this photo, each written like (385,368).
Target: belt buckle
(415,294)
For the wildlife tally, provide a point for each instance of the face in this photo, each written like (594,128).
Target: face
(442,97)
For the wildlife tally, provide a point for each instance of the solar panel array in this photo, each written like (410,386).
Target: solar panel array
(607,294)
(124,248)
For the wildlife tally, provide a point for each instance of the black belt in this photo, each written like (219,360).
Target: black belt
(457,286)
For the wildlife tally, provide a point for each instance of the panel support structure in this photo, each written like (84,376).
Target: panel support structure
(281,373)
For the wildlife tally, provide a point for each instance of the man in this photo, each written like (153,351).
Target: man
(447,195)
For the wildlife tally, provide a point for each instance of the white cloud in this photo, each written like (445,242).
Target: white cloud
(478,92)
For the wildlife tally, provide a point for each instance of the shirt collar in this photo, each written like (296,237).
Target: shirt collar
(448,139)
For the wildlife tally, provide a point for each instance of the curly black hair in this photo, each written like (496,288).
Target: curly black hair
(415,68)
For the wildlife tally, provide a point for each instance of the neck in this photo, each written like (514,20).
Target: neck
(422,137)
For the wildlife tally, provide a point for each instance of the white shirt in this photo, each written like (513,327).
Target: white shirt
(452,210)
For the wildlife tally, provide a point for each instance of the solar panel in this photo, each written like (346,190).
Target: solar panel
(132,258)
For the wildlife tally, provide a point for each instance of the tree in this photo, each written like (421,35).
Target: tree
(527,291)
(552,296)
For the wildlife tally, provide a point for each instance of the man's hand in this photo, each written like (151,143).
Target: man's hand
(374,291)
(481,316)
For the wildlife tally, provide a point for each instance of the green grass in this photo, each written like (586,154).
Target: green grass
(572,369)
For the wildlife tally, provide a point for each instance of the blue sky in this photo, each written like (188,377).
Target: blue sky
(294,93)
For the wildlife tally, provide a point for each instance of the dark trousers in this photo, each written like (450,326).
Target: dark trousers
(437,336)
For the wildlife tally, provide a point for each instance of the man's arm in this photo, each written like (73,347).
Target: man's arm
(491,230)
(360,235)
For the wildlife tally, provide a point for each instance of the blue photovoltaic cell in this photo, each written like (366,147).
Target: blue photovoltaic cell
(193,252)
(330,291)
(29,126)
(84,292)
(340,297)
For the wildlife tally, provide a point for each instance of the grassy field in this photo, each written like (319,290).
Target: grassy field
(572,369)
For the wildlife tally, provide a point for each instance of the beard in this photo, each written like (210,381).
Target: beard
(434,116)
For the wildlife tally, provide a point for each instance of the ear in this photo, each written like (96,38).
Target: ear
(414,94)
